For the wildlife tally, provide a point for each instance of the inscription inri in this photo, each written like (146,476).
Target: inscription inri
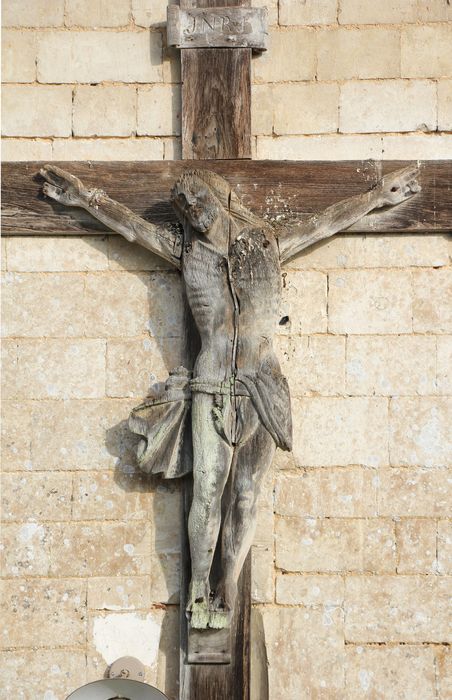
(223,27)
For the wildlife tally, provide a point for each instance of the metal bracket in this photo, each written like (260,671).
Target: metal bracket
(127,667)
(217,27)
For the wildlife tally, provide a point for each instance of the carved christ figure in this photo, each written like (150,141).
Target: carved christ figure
(235,397)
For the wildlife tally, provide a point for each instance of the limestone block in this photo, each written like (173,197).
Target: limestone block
(327,493)
(97,13)
(366,12)
(291,56)
(165,578)
(168,656)
(36,496)
(44,613)
(112,635)
(357,147)
(424,146)
(172,148)
(271,7)
(26,110)
(79,435)
(159,110)
(261,109)
(416,546)
(304,299)
(148,13)
(26,149)
(383,672)
(388,105)
(108,149)
(445,105)
(331,432)
(310,590)
(104,110)
(432,297)
(15,435)
(263,536)
(165,292)
(319,112)
(426,51)
(53,368)
(444,665)
(123,255)
(419,432)
(445,546)
(313,364)
(335,545)
(344,54)
(423,493)
(27,673)
(391,366)
(262,574)
(118,593)
(39,13)
(109,496)
(78,549)
(116,304)
(370,301)
(293,638)
(166,515)
(3,261)
(444,363)
(399,608)
(18,56)
(308,12)
(135,366)
(36,305)
(361,251)
(26,549)
(319,147)
(96,56)
(57,254)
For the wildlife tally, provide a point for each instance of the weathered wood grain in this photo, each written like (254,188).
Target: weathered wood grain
(279,190)
(216,97)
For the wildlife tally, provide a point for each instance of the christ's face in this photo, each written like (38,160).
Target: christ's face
(196,204)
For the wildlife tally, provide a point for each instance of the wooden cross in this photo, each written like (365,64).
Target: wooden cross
(216,125)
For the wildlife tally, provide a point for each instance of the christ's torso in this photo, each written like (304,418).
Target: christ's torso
(234,300)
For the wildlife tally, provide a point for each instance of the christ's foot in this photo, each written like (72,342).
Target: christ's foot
(197,609)
(223,604)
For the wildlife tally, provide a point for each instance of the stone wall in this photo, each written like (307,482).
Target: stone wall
(353,548)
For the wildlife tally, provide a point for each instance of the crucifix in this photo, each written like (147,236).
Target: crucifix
(218,421)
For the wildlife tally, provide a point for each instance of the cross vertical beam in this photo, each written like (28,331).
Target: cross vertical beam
(216,97)
(216,124)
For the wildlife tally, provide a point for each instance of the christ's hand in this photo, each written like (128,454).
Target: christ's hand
(64,187)
(398,186)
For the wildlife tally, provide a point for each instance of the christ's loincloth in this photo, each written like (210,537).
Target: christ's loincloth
(164,422)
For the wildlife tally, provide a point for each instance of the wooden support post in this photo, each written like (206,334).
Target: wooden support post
(216,97)
(216,124)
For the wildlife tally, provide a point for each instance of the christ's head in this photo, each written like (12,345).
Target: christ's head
(194,201)
(202,196)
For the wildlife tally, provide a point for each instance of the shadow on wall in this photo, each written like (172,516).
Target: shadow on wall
(121,443)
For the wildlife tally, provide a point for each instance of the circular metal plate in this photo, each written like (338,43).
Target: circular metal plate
(127,667)
(113,688)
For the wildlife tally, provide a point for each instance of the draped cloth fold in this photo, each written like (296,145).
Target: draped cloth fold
(164,422)
(164,425)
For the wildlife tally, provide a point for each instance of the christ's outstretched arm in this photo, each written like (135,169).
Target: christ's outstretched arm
(391,190)
(69,190)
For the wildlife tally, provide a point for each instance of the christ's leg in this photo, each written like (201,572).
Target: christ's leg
(212,457)
(248,470)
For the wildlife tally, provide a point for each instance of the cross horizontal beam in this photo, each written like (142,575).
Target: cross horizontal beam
(279,190)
